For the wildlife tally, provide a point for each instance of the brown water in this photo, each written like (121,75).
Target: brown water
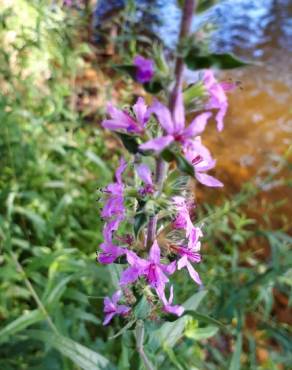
(258,126)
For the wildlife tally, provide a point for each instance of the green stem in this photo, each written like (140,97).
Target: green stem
(139,334)
(33,293)
(189,7)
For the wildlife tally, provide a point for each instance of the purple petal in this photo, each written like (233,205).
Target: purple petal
(208,180)
(157,144)
(108,318)
(140,110)
(145,69)
(154,254)
(170,268)
(179,114)
(175,310)
(122,309)
(117,296)
(130,275)
(193,274)
(163,116)
(198,125)
(144,173)
(182,262)
(120,170)
(220,116)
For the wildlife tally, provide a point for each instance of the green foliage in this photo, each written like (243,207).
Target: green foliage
(52,291)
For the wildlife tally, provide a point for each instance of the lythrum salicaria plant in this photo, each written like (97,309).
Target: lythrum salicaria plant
(148,209)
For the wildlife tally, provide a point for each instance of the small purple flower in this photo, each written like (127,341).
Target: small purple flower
(218,98)
(174,127)
(114,204)
(111,307)
(167,303)
(154,271)
(183,221)
(145,69)
(199,156)
(110,252)
(122,121)
(185,261)
(144,173)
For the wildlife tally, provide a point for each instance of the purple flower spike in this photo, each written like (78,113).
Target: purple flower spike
(218,98)
(122,121)
(111,307)
(145,69)
(153,270)
(167,303)
(174,127)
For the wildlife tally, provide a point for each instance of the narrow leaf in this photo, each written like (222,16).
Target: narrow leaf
(21,323)
(78,354)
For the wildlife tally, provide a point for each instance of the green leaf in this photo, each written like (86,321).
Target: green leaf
(78,354)
(153,87)
(139,221)
(124,329)
(203,5)
(126,68)
(203,318)
(130,143)
(235,360)
(221,61)
(142,309)
(184,165)
(201,333)
(170,332)
(21,323)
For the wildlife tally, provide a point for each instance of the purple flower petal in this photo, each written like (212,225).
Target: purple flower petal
(145,69)
(108,318)
(157,144)
(193,274)
(164,116)
(208,180)
(130,275)
(198,125)
(179,114)
(154,254)
(144,173)
(141,111)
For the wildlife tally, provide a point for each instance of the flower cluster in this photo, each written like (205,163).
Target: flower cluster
(154,129)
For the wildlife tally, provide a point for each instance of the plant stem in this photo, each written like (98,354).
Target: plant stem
(188,10)
(139,333)
(34,293)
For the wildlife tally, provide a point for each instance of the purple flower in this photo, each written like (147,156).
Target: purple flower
(144,173)
(111,307)
(167,303)
(114,204)
(183,221)
(174,127)
(218,98)
(145,69)
(199,156)
(110,252)
(185,261)
(154,271)
(122,121)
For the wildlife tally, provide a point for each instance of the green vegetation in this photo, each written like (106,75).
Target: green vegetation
(52,163)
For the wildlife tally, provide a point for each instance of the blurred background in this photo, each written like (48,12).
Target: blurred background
(56,76)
